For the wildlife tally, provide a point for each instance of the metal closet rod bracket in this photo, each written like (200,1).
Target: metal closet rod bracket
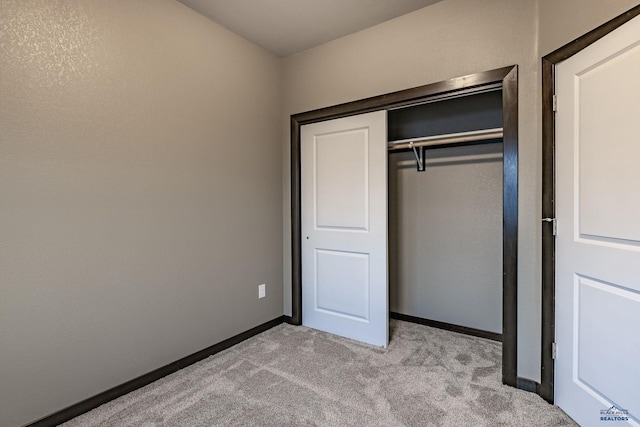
(421,163)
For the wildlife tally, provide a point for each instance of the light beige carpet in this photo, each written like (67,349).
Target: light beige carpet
(295,376)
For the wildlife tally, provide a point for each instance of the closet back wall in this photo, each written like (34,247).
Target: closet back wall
(445,236)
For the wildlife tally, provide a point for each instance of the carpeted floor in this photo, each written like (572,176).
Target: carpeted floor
(295,376)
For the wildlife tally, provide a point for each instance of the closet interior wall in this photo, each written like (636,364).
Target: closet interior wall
(445,224)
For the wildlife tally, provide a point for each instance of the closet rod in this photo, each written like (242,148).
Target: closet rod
(451,138)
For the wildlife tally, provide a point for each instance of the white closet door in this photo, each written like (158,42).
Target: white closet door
(344,227)
(598,244)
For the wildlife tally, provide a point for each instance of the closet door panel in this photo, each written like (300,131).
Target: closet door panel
(344,227)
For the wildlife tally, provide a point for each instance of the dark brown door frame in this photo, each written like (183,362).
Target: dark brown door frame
(507,79)
(546,388)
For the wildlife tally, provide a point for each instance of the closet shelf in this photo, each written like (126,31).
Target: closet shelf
(476,136)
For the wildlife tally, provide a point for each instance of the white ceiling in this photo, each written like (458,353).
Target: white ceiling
(285,27)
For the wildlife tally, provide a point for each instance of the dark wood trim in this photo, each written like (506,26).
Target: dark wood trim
(510,228)
(419,94)
(143,380)
(288,319)
(546,388)
(494,336)
(296,225)
(527,385)
(548,239)
(507,78)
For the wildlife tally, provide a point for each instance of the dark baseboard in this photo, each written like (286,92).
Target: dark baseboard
(143,380)
(527,385)
(288,319)
(448,326)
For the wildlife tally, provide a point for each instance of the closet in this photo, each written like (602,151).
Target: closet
(451,219)
(445,213)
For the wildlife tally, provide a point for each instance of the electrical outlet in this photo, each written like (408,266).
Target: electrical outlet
(262,291)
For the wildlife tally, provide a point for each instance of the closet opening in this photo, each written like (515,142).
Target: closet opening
(472,128)
(445,213)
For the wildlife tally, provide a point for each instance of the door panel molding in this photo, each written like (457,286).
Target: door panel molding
(505,78)
(546,389)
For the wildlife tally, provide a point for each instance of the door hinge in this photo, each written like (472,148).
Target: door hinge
(554,351)
(554,224)
(555,102)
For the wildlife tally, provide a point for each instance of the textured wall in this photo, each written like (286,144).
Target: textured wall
(140,179)
(563,21)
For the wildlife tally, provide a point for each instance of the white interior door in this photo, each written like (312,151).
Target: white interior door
(598,244)
(344,227)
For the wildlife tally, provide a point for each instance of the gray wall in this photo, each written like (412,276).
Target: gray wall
(563,21)
(448,39)
(449,214)
(140,188)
